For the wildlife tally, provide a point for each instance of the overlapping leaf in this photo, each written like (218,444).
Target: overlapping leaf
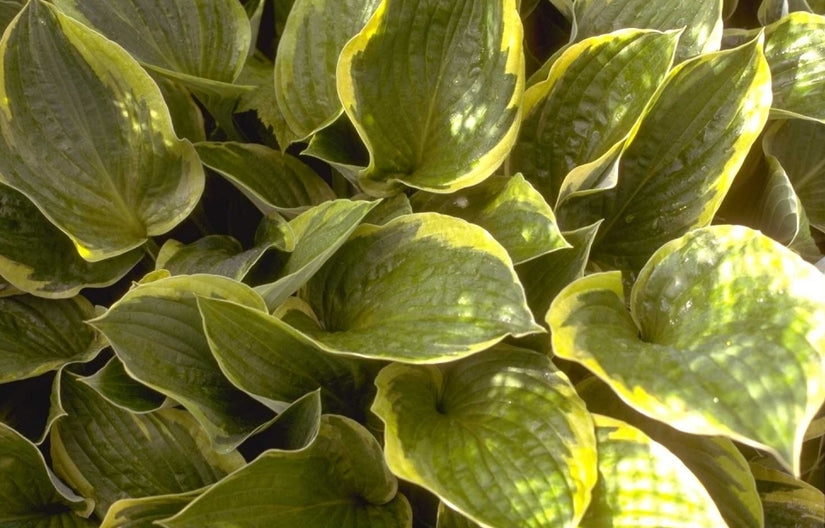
(114,384)
(444,117)
(788,502)
(422,288)
(697,354)
(500,437)
(88,137)
(142,512)
(339,479)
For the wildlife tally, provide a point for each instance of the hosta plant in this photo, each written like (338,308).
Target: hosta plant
(396,263)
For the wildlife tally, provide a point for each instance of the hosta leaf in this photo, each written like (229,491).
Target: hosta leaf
(187,117)
(411,291)
(319,232)
(57,273)
(794,48)
(772,10)
(88,136)
(259,72)
(641,483)
(209,40)
(340,146)
(701,20)
(108,453)
(38,335)
(9,10)
(510,209)
(313,37)
(590,100)
(296,426)
(157,333)
(340,479)
(119,388)
(142,512)
(501,437)
(30,495)
(273,180)
(266,357)
(675,173)
(796,145)
(449,518)
(388,209)
(788,502)
(692,351)
(426,125)
(30,406)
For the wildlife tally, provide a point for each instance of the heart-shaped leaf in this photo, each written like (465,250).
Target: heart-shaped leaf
(697,354)
(563,127)
(362,295)
(88,137)
(313,37)
(39,335)
(501,436)
(157,332)
(641,483)
(339,479)
(108,453)
(425,125)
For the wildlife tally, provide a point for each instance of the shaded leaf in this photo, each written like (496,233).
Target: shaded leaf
(501,437)
(696,354)
(449,518)
(114,384)
(339,479)
(788,502)
(30,406)
(341,147)
(142,512)
(187,117)
(296,427)
(410,291)
(443,131)
(88,136)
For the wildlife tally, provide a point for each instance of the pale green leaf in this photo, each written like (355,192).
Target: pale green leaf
(57,273)
(683,158)
(108,453)
(795,49)
(273,180)
(590,100)
(412,291)
(157,332)
(142,512)
(510,209)
(788,502)
(440,111)
(501,437)
(88,136)
(30,495)
(114,384)
(39,335)
(338,480)
(701,20)
(319,232)
(641,483)
(306,60)
(697,354)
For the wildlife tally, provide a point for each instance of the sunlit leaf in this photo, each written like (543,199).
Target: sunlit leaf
(500,436)
(695,353)
(427,125)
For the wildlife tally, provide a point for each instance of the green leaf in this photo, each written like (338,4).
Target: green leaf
(142,512)
(88,136)
(796,146)
(259,72)
(57,273)
(501,437)
(114,384)
(8,10)
(208,40)
(590,100)
(39,335)
(641,483)
(681,162)
(340,146)
(30,406)
(788,502)
(273,180)
(389,209)
(267,358)
(695,353)
(410,291)
(340,479)
(794,49)
(319,232)
(771,11)
(187,117)
(510,209)
(426,125)
(296,427)
(157,332)
(701,20)
(108,453)
(313,37)
(449,518)
(30,495)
